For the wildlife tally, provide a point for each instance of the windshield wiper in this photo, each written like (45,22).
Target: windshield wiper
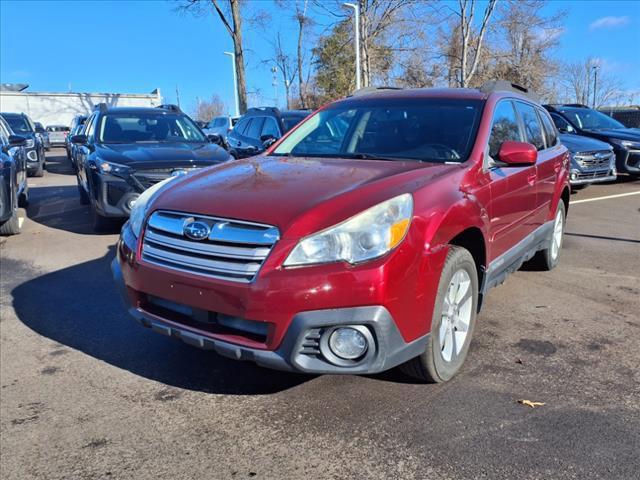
(373,156)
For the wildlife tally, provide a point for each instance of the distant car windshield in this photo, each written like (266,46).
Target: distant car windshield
(147,128)
(18,124)
(57,128)
(588,119)
(291,121)
(431,130)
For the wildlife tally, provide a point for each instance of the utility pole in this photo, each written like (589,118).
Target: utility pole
(356,9)
(595,84)
(177,95)
(274,70)
(235,82)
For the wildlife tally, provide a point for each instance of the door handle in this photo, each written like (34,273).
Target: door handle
(556,166)
(531,179)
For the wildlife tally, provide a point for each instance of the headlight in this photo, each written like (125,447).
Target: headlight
(140,208)
(113,168)
(626,143)
(366,236)
(30,143)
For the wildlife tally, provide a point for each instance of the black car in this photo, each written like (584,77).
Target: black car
(75,122)
(591,160)
(22,125)
(14,191)
(44,135)
(259,128)
(582,120)
(123,151)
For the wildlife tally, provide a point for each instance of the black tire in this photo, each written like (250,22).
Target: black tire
(12,225)
(432,366)
(545,259)
(84,197)
(99,223)
(40,170)
(23,198)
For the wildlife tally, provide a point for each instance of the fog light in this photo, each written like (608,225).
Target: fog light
(32,155)
(574,175)
(348,343)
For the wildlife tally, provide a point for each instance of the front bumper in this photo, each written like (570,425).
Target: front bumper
(295,309)
(114,196)
(628,160)
(32,158)
(387,350)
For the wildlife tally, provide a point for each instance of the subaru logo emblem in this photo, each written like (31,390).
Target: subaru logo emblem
(196,230)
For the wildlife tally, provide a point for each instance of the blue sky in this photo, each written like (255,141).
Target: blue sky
(117,46)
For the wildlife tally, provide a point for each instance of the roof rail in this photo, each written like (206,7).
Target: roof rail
(371,90)
(171,107)
(579,105)
(502,85)
(262,109)
(102,107)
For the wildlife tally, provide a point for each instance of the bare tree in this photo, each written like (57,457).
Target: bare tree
(303,22)
(205,110)
(469,41)
(527,37)
(284,64)
(580,79)
(230,16)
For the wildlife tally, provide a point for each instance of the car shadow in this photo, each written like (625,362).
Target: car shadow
(59,207)
(58,163)
(79,307)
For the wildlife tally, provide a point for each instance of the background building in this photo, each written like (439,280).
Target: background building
(58,108)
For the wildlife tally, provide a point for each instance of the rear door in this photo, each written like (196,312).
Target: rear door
(513,189)
(549,164)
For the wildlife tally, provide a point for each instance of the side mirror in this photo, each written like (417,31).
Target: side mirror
(517,154)
(79,139)
(267,140)
(17,141)
(217,139)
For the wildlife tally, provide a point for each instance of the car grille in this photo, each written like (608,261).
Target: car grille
(234,250)
(594,159)
(149,177)
(592,175)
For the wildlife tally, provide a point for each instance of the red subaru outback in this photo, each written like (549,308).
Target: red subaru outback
(364,239)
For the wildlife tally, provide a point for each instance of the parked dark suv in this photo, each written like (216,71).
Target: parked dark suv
(14,191)
(22,125)
(260,127)
(582,120)
(124,151)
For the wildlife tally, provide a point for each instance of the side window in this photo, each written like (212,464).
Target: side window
(531,124)
(561,124)
(504,129)
(270,127)
(255,128)
(550,132)
(90,127)
(4,135)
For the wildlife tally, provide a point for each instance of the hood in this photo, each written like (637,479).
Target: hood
(150,155)
(632,134)
(311,193)
(576,143)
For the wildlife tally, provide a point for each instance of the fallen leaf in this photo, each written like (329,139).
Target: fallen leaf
(531,404)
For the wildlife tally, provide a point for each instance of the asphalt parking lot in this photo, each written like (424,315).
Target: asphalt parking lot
(86,393)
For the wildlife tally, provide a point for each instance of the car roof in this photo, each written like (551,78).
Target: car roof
(140,110)
(12,114)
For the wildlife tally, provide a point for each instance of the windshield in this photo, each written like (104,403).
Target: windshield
(431,130)
(148,128)
(57,128)
(18,124)
(588,119)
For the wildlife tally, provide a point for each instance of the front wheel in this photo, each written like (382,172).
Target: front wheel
(12,225)
(453,321)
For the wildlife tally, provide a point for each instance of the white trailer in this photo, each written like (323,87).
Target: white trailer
(57,108)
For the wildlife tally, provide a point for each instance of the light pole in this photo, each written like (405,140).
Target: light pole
(235,82)
(595,83)
(356,9)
